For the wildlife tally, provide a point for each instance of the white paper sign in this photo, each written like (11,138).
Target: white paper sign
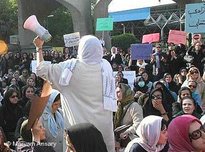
(71,39)
(130,76)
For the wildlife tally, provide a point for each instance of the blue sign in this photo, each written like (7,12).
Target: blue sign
(130,15)
(141,51)
(195,18)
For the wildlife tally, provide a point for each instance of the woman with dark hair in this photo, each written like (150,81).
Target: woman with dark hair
(152,133)
(170,84)
(184,92)
(4,147)
(10,113)
(158,105)
(188,106)
(169,95)
(85,137)
(27,93)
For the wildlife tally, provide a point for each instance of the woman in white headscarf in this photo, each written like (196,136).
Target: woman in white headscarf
(152,133)
(87,86)
(53,121)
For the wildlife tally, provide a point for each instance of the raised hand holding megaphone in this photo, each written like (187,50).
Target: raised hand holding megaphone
(33,25)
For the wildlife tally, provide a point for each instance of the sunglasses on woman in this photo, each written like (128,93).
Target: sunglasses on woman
(197,133)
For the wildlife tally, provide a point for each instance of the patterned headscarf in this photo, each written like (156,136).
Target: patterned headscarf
(127,97)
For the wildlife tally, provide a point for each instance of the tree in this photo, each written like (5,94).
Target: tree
(60,24)
(123,41)
(8,19)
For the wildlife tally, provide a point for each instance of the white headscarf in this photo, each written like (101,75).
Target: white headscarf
(47,115)
(90,51)
(149,133)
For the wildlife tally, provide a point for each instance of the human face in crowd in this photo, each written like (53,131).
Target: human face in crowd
(24,72)
(118,92)
(158,48)
(29,92)
(188,106)
(192,85)
(16,74)
(145,76)
(197,46)
(163,136)
(194,73)
(185,93)
(168,78)
(156,98)
(14,98)
(30,82)
(183,72)
(197,135)
(13,81)
(56,105)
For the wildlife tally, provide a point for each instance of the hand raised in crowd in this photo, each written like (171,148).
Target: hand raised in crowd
(38,42)
(158,105)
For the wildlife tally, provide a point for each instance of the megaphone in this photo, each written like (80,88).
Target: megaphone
(33,25)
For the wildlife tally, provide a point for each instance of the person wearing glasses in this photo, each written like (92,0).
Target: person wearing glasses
(10,112)
(194,75)
(157,105)
(186,134)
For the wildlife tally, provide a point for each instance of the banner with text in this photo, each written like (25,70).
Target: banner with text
(149,38)
(177,37)
(195,18)
(71,39)
(141,51)
(104,24)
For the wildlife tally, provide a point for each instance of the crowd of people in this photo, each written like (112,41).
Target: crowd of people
(161,112)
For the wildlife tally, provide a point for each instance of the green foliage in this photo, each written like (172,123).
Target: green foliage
(8,18)
(58,25)
(123,41)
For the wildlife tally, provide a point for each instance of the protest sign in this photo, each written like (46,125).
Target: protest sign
(177,37)
(104,24)
(149,38)
(72,39)
(141,51)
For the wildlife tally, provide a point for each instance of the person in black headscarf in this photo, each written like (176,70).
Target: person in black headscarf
(10,113)
(158,105)
(85,137)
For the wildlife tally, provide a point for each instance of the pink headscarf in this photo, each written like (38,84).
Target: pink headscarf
(178,133)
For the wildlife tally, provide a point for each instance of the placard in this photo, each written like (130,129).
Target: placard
(177,37)
(71,39)
(104,24)
(149,38)
(195,18)
(141,51)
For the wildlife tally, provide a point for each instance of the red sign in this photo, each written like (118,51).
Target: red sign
(177,37)
(149,38)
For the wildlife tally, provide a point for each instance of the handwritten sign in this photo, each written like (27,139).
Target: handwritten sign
(104,24)
(195,18)
(177,37)
(71,39)
(149,38)
(141,51)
